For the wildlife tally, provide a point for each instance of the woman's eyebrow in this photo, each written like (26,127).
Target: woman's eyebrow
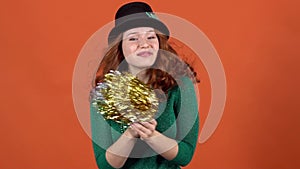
(131,33)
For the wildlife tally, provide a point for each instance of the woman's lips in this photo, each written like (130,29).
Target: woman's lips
(145,54)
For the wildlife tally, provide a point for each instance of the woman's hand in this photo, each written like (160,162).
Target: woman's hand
(145,129)
(130,133)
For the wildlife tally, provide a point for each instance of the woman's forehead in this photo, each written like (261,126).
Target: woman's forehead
(138,30)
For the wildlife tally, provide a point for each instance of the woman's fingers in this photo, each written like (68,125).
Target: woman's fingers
(145,129)
(151,125)
(131,133)
(141,128)
(153,122)
(148,125)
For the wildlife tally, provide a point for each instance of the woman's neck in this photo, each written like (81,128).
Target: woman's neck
(134,70)
(139,73)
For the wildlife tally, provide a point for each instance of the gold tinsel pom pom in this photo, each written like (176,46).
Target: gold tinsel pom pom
(125,99)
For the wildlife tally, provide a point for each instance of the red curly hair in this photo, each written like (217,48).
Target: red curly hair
(162,75)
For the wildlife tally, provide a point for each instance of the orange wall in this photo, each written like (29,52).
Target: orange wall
(258,44)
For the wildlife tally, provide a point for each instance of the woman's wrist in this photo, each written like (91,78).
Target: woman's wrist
(154,136)
(163,145)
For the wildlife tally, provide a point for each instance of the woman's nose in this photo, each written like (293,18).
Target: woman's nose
(143,42)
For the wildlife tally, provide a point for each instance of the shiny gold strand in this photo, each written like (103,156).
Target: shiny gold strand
(125,99)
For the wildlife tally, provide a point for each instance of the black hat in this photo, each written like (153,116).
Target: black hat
(135,14)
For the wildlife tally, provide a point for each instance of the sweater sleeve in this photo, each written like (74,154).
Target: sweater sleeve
(187,122)
(101,138)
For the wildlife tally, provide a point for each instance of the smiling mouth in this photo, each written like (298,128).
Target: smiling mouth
(145,54)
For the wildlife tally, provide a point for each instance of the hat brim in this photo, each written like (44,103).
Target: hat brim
(138,22)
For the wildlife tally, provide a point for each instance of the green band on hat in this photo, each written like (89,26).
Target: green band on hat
(151,15)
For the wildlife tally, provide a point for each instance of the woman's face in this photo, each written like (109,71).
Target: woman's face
(140,46)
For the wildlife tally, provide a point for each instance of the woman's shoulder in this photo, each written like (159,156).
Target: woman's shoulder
(183,82)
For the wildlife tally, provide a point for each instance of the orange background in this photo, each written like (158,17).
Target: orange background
(258,44)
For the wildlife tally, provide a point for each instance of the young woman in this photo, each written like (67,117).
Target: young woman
(139,44)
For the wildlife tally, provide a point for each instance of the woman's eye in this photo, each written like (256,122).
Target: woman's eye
(151,37)
(133,39)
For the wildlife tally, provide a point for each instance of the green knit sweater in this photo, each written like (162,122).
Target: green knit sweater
(177,118)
